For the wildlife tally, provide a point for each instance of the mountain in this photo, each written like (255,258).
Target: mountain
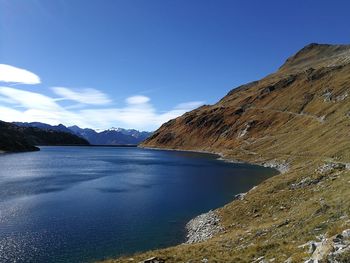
(14,138)
(37,136)
(113,136)
(308,94)
(297,120)
(141,135)
(44,126)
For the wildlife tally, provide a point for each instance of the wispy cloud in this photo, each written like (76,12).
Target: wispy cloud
(137,100)
(11,74)
(27,99)
(138,111)
(84,96)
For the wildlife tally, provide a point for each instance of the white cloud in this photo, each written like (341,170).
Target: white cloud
(137,100)
(138,112)
(27,99)
(85,96)
(11,74)
(141,115)
(31,106)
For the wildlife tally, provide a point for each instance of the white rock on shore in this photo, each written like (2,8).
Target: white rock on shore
(282,167)
(203,227)
(335,249)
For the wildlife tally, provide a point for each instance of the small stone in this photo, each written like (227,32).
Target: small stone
(346,234)
(153,260)
(239,196)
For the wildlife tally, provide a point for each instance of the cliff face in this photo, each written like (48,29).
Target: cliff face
(297,118)
(302,109)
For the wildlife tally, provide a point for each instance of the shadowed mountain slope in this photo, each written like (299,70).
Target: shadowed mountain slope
(14,138)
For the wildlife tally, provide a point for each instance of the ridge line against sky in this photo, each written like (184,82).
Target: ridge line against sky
(21,105)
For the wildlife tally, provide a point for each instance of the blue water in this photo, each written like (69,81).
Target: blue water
(80,204)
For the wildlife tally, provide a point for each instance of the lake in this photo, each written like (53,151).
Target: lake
(80,204)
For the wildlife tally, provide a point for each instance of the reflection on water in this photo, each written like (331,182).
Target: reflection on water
(78,204)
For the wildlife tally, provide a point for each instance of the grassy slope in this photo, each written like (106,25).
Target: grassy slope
(285,117)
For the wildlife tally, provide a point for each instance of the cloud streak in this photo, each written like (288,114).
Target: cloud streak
(138,111)
(11,74)
(84,96)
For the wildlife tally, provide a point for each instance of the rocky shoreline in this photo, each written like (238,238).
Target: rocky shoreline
(203,227)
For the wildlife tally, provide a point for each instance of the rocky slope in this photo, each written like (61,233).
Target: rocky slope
(298,119)
(14,138)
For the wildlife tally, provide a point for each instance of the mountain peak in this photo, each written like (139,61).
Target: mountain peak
(116,129)
(316,55)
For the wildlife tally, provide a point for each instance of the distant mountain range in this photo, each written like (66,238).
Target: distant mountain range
(113,136)
(14,138)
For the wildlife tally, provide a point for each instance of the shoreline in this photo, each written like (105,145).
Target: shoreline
(281,167)
(207,225)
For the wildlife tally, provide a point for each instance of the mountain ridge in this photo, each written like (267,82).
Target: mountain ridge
(113,136)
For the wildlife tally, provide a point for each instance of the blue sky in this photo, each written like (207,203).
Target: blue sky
(138,63)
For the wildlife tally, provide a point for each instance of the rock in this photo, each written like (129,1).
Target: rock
(153,260)
(342,97)
(304,183)
(327,95)
(333,250)
(312,247)
(239,196)
(282,167)
(346,234)
(330,167)
(322,250)
(243,132)
(203,227)
(259,259)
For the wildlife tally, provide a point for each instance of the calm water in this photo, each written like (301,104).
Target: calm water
(79,204)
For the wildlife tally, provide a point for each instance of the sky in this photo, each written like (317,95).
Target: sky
(139,63)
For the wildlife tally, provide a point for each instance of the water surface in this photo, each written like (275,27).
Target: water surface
(80,204)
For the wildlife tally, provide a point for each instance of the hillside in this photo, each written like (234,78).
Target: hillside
(14,138)
(297,120)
